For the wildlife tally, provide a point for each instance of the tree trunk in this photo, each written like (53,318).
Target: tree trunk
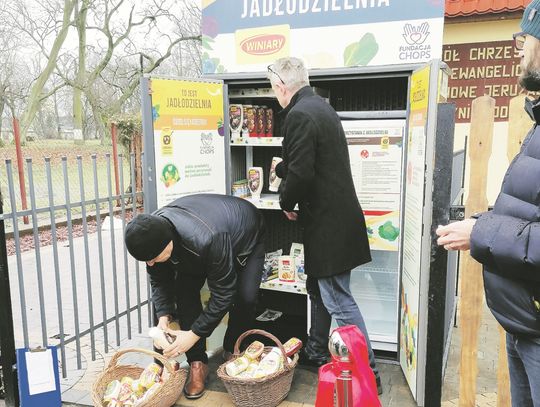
(80,20)
(136,149)
(34,99)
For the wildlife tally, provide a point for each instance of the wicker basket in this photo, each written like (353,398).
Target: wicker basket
(266,391)
(166,396)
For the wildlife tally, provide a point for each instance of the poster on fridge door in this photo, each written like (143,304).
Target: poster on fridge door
(375,153)
(248,35)
(188,138)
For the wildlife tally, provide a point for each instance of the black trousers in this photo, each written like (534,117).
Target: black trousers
(241,313)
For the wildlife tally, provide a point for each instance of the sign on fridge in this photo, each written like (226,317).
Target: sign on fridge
(375,152)
(189,140)
(247,35)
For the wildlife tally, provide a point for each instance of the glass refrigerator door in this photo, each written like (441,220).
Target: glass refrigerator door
(376,155)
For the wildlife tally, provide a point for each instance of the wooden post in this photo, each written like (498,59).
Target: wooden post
(20,168)
(115,161)
(480,141)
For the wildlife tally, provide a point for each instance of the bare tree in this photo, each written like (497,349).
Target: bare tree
(129,39)
(48,30)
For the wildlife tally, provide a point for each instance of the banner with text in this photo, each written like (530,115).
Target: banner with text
(188,138)
(248,35)
(478,69)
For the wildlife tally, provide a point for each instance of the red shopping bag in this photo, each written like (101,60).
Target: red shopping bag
(364,387)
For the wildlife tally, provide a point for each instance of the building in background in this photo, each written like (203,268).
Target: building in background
(479,50)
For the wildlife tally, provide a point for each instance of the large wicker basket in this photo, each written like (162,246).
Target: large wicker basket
(166,396)
(266,391)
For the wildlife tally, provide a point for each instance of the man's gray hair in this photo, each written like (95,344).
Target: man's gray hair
(289,71)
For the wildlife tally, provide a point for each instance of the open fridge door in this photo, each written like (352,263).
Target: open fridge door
(185,148)
(419,167)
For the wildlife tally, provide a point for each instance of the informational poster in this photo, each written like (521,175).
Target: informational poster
(375,151)
(412,238)
(248,35)
(188,138)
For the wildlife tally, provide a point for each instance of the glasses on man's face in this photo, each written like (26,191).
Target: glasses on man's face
(519,40)
(275,73)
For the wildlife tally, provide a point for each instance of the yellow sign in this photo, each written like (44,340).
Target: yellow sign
(420,89)
(264,44)
(183,105)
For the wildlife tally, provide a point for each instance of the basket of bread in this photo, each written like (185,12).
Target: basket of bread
(261,375)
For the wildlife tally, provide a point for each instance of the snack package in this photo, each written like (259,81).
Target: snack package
(150,375)
(286,269)
(254,350)
(245,122)
(112,391)
(237,366)
(271,363)
(292,346)
(251,123)
(271,264)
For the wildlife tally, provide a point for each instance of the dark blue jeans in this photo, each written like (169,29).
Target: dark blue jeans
(331,298)
(524,367)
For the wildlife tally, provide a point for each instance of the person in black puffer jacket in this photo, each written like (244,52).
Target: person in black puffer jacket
(507,240)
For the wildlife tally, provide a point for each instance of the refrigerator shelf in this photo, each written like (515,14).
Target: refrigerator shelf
(267,201)
(256,141)
(276,285)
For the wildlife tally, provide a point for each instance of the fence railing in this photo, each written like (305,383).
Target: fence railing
(71,278)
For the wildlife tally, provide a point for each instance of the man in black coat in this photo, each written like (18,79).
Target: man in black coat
(317,177)
(507,240)
(195,239)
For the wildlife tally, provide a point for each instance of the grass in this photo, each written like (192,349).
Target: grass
(55,150)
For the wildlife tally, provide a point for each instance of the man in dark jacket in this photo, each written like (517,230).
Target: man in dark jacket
(196,239)
(507,240)
(317,177)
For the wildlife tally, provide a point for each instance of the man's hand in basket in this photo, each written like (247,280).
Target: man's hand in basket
(184,341)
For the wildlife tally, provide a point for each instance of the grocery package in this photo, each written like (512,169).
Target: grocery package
(286,269)
(256,362)
(269,129)
(274,181)
(260,116)
(240,188)
(236,113)
(237,366)
(161,339)
(292,346)
(271,265)
(297,252)
(130,392)
(251,130)
(255,181)
(254,351)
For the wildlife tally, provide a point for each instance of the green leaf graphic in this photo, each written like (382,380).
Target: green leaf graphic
(361,52)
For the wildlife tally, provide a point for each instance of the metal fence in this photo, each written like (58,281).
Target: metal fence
(72,281)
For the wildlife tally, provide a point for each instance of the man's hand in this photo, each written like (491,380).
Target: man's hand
(184,342)
(291,215)
(456,236)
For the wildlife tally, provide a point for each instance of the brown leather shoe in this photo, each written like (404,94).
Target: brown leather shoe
(196,381)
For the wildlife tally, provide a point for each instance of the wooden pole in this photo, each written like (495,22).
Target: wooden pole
(20,168)
(115,161)
(480,141)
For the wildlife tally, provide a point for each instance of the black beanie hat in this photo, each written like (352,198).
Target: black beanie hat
(146,236)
